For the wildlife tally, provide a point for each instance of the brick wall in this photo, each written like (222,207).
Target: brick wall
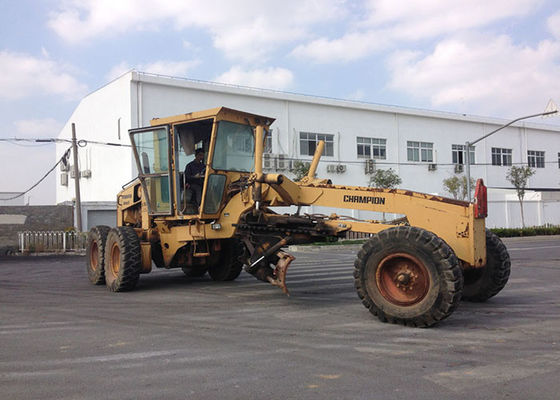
(14,219)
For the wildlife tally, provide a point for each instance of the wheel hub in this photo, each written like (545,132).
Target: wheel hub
(94,257)
(115,259)
(402,279)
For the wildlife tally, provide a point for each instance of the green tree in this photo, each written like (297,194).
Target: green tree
(518,177)
(457,186)
(385,179)
(300,169)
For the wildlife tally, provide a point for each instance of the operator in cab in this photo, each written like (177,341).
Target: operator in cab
(194,174)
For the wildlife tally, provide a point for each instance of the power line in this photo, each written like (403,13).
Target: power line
(81,143)
(62,160)
(84,143)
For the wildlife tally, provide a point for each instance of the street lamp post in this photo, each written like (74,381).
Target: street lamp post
(469,144)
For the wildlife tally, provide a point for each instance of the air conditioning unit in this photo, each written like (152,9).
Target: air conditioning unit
(432,167)
(341,168)
(86,173)
(64,179)
(282,163)
(369,166)
(268,161)
(331,168)
(458,168)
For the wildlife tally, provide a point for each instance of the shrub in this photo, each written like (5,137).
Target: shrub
(530,231)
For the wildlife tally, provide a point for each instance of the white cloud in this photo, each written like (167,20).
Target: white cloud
(38,128)
(553,24)
(243,29)
(414,20)
(388,23)
(269,78)
(22,75)
(484,74)
(162,67)
(349,47)
(118,70)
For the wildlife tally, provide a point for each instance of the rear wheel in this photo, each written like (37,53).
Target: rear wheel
(123,259)
(229,266)
(95,254)
(409,276)
(488,281)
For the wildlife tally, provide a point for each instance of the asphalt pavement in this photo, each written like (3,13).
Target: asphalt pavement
(180,338)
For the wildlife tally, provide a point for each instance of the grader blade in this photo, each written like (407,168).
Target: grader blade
(279,277)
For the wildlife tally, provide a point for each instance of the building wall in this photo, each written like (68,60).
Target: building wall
(136,98)
(97,118)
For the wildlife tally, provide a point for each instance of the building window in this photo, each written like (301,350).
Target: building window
(501,156)
(420,151)
(372,148)
(458,154)
(535,158)
(308,142)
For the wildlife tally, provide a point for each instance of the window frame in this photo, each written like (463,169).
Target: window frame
(148,176)
(536,158)
(501,155)
(458,154)
(372,145)
(418,149)
(328,150)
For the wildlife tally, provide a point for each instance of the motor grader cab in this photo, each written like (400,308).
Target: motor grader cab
(412,271)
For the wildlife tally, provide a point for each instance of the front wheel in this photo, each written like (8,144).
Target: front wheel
(488,281)
(123,260)
(408,276)
(95,254)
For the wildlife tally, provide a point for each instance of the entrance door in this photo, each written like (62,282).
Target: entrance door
(151,150)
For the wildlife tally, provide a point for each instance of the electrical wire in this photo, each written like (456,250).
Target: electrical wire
(62,160)
(81,142)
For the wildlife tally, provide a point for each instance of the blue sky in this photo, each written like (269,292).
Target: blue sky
(496,58)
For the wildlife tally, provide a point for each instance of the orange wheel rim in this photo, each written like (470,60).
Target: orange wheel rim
(94,256)
(402,279)
(115,259)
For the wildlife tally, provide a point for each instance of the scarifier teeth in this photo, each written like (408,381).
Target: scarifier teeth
(279,278)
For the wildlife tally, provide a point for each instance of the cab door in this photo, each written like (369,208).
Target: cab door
(152,151)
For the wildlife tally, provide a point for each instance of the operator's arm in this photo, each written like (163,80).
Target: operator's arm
(194,174)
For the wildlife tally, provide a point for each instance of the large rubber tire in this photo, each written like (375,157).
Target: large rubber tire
(95,254)
(409,276)
(488,281)
(194,272)
(229,267)
(123,260)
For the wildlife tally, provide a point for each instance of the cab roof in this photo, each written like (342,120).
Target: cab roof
(220,113)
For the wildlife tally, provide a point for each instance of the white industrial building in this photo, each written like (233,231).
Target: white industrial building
(423,147)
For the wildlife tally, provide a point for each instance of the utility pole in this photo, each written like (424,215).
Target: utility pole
(77,179)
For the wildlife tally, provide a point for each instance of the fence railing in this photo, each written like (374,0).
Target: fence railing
(51,241)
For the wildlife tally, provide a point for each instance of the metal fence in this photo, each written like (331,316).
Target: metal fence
(51,241)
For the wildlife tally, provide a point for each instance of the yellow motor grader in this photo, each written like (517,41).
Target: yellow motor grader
(412,271)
